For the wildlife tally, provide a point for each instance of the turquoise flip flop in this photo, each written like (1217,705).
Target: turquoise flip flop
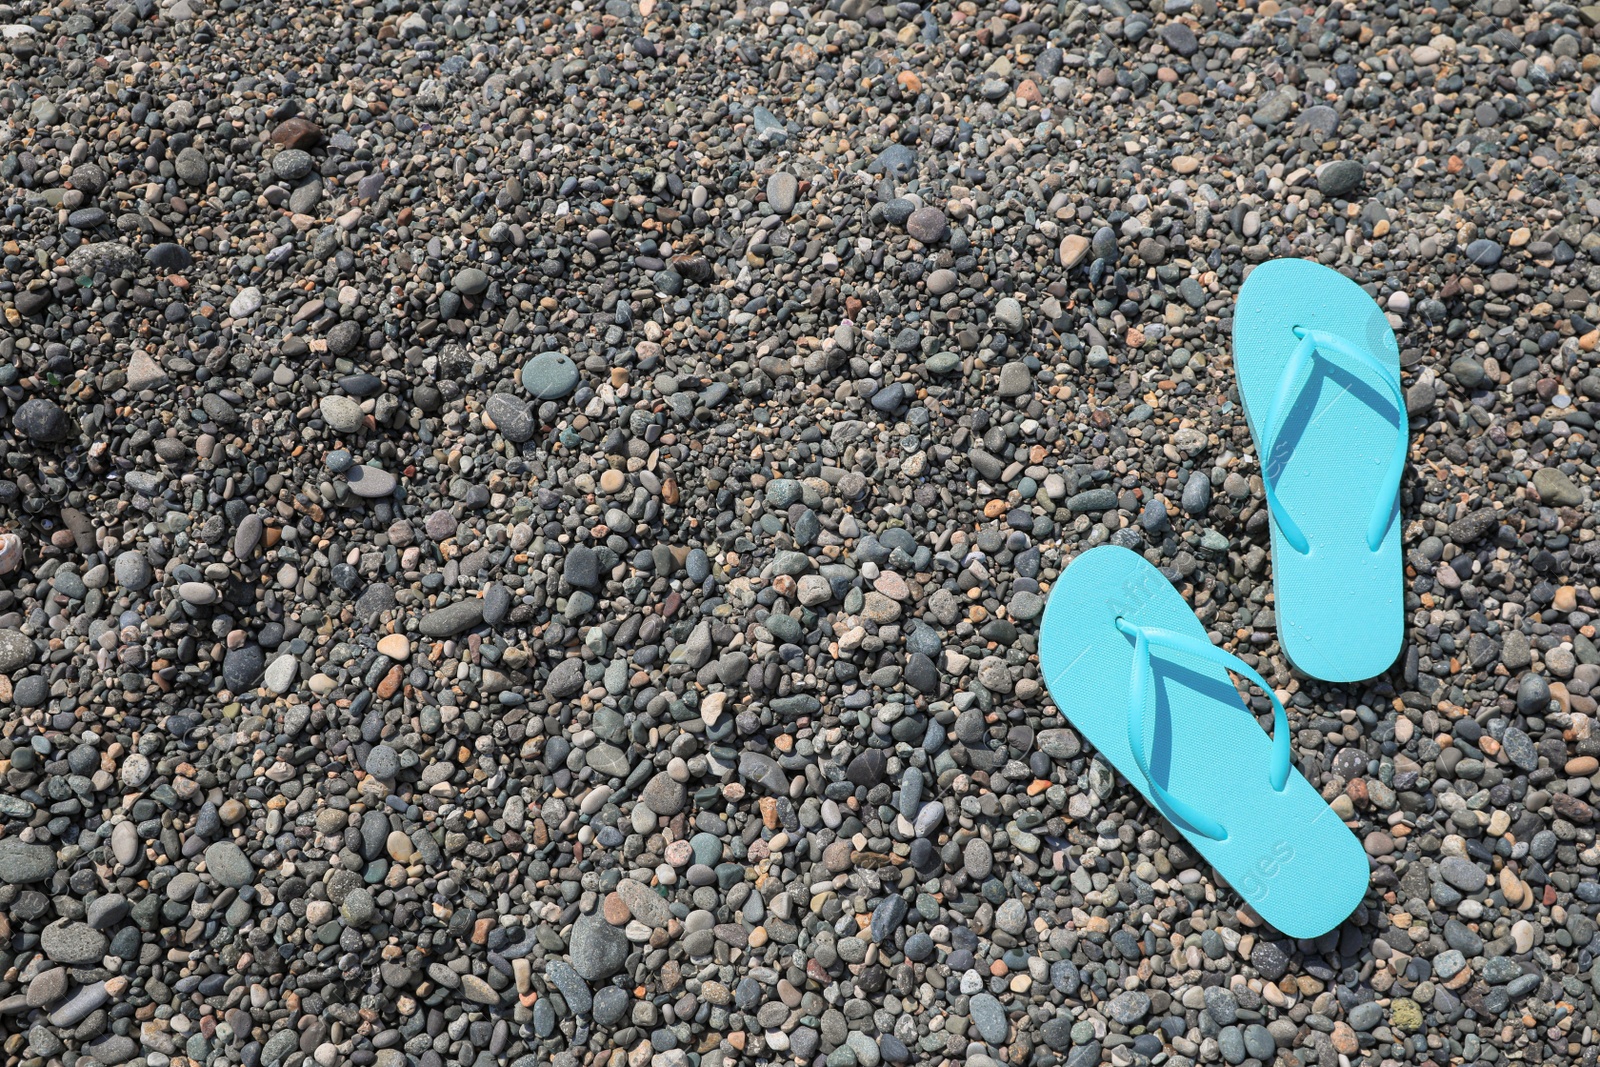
(1319,374)
(1183,738)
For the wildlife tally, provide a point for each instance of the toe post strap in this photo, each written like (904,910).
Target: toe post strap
(1140,688)
(1314,343)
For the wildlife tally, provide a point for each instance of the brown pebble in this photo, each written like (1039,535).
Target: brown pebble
(1511,887)
(836,857)
(1357,790)
(615,909)
(297,132)
(391,683)
(1582,766)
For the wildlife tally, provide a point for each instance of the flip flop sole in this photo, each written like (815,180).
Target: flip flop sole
(1287,853)
(1340,606)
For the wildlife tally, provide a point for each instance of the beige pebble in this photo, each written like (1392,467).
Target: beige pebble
(401,850)
(892,585)
(612,481)
(1511,887)
(395,646)
(1073,248)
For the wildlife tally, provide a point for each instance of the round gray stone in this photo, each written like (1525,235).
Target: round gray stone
(42,421)
(31,692)
(228,864)
(281,673)
(241,667)
(382,762)
(23,864)
(192,168)
(72,943)
(989,1018)
(549,376)
(341,413)
(1339,179)
(15,650)
(292,164)
(470,282)
(928,225)
(512,417)
(598,949)
(661,794)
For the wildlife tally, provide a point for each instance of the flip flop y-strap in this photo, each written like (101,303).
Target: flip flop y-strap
(1314,343)
(1138,693)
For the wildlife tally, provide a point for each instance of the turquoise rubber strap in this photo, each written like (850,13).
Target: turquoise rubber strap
(1138,695)
(1312,343)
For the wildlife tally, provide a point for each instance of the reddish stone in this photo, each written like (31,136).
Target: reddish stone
(391,683)
(297,132)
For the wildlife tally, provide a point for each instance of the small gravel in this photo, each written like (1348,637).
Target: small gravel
(523,529)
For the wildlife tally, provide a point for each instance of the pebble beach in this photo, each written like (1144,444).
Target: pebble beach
(523,528)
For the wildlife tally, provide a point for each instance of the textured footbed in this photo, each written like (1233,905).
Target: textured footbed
(1341,606)
(1286,853)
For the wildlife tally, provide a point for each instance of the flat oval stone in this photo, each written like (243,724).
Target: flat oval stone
(198,593)
(782,189)
(371,482)
(21,864)
(125,843)
(281,673)
(228,864)
(248,535)
(549,376)
(395,646)
(73,943)
(341,413)
(452,618)
(471,282)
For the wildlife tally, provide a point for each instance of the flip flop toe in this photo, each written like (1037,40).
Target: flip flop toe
(1319,375)
(1131,667)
